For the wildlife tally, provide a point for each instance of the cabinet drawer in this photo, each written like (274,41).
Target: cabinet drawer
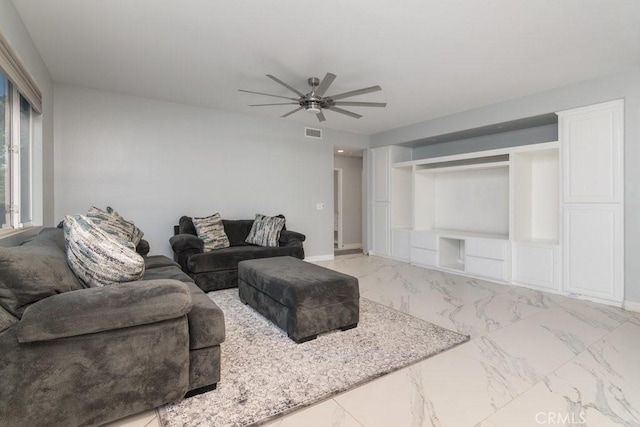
(490,268)
(424,257)
(487,248)
(424,240)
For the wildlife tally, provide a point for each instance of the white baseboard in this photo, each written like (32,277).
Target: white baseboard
(351,246)
(632,306)
(319,258)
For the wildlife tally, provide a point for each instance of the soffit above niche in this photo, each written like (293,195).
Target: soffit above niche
(493,129)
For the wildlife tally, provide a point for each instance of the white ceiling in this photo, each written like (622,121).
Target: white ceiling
(431,57)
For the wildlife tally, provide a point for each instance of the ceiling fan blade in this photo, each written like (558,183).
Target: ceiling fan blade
(277,80)
(325,83)
(267,94)
(291,112)
(355,92)
(281,103)
(320,117)
(361,104)
(345,112)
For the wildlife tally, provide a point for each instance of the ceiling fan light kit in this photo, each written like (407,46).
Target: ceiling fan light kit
(315,101)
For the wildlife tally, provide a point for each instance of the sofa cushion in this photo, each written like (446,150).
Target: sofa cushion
(265,231)
(237,230)
(211,231)
(98,258)
(52,238)
(104,309)
(156,261)
(36,270)
(206,320)
(6,320)
(166,272)
(228,258)
(185,226)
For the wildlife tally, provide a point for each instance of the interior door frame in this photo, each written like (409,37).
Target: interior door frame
(339,207)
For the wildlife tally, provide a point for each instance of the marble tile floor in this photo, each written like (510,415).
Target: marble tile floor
(534,358)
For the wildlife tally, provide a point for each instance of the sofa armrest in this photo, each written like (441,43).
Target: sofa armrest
(106,308)
(143,247)
(291,238)
(186,244)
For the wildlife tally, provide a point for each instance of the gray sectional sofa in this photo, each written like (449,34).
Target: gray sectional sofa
(218,269)
(71,355)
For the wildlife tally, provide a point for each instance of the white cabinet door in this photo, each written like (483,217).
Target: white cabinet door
(400,244)
(381,164)
(592,140)
(535,264)
(381,211)
(592,251)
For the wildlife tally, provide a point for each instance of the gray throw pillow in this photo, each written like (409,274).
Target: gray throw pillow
(265,231)
(97,257)
(31,272)
(211,231)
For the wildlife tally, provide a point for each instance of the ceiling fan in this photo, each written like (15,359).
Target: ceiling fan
(315,101)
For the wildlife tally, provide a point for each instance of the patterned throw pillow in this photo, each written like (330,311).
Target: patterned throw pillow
(111,224)
(97,257)
(265,231)
(211,231)
(136,235)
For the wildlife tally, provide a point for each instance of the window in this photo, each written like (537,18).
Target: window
(20,101)
(16,132)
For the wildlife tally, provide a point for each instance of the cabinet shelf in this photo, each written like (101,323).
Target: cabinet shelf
(459,234)
(539,241)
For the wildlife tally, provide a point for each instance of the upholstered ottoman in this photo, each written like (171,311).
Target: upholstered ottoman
(302,299)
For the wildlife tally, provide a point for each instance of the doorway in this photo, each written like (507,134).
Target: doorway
(348,200)
(337,209)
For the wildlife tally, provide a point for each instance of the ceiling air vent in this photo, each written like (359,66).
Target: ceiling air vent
(313,133)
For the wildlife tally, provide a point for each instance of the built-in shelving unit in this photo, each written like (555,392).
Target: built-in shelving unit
(462,213)
(547,215)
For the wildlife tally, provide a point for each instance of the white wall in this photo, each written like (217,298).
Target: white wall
(351,198)
(154,161)
(14,30)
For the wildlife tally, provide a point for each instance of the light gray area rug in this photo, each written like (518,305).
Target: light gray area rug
(266,375)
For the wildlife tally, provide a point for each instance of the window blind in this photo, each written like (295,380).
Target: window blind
(16,72)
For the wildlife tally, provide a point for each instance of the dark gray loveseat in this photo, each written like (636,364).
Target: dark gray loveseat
(89,356)
(218,269)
